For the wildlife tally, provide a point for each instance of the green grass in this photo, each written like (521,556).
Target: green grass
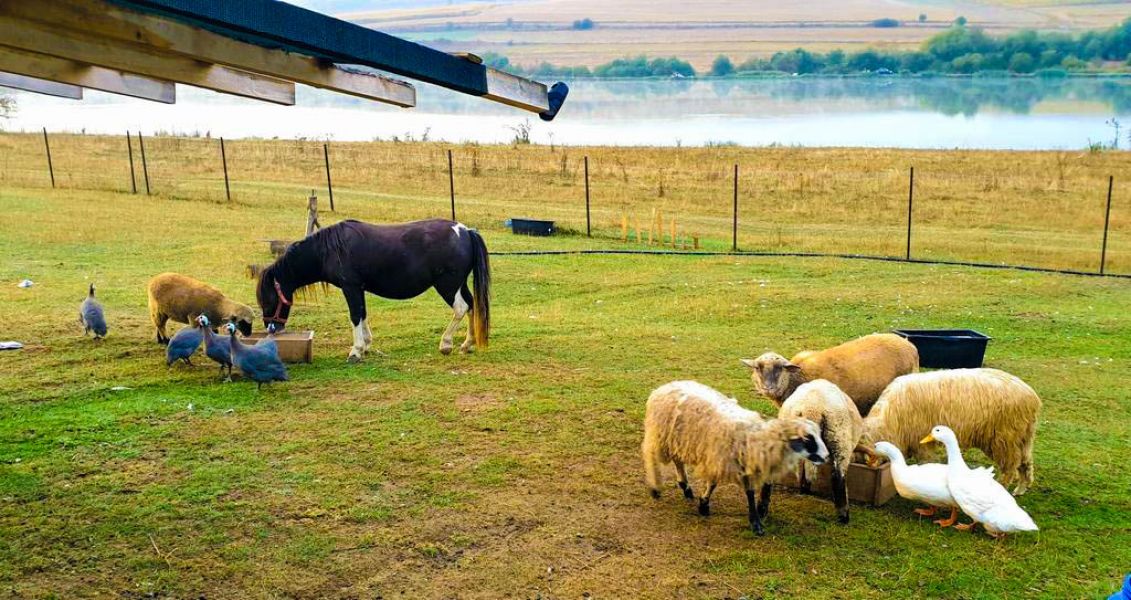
(515,471)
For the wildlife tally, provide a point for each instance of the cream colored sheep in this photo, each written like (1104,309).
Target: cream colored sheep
(862,368)
(692,425)
(988,409)
(822,402)
(173,296)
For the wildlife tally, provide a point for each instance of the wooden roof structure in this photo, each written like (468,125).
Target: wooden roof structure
(252,48)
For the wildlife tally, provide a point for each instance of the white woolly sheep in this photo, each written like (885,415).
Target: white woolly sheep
(988,409)
(692,425)
(822,402)
(862,368)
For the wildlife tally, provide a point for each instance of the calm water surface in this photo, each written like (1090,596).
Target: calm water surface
(891,112)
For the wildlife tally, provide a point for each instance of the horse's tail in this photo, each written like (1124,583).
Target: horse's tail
(481,303)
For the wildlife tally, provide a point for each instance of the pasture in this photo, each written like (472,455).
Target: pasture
(515,472)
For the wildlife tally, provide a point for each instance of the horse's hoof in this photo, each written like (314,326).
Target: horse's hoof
(467,349)
(445,350)
(354,359)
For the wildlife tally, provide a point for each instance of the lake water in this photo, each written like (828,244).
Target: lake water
(878,112)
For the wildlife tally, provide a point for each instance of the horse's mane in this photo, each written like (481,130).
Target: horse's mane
(296,262)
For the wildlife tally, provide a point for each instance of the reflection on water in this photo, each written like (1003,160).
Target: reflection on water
(934,113)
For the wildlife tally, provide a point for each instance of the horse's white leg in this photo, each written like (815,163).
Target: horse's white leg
(459,309)
(359,344)
(368,339)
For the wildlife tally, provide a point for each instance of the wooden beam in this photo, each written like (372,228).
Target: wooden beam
(62,70)
(134,58)
(40,86)
(516,91)
(97,17)
(282,25)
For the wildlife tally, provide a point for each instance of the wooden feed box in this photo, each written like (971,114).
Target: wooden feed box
(294,347)
(868,485)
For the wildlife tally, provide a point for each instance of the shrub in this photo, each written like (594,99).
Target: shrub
(1022,62)
(960,21)
(584,24)
(885,23)
(722,67)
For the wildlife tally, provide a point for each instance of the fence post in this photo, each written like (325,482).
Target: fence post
(910,200)
(452,184)
(144,165)
(329,183)
(130,150)
(734,231)
(1107,220)
(224,159)
(588,226)
(50,167)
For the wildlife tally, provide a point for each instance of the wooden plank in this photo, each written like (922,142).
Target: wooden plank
(103,19)
(133,58)
(283,25)
(40,86)
(516,91)
(88,76)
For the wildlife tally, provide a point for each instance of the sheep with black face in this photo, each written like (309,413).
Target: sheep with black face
(692,425)
(175,297)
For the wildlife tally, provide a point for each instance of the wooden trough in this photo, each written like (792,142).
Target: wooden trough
(867,485)
(294,346)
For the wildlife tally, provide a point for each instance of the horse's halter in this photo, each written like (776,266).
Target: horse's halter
(279,306)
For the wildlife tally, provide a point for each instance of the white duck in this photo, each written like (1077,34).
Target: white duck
(981,497)
(925,483)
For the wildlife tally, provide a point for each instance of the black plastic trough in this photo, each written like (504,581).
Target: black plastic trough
(947,348)
(532,227)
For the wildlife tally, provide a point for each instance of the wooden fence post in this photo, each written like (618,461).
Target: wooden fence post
(1107,221)
(224,159)
(734,231)
(452,184)
(910,202)
(130,151)
(588,226)
(144,165)
(50,167)
(329,183)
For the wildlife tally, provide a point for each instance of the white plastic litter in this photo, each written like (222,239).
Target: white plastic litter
(25,283)
(10,345)
(120,388)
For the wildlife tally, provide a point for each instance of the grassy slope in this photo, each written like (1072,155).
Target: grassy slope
(514,471)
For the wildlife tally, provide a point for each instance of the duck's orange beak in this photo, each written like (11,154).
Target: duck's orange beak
(928,439)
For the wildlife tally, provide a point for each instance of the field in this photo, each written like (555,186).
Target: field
(540,30)
(514,472)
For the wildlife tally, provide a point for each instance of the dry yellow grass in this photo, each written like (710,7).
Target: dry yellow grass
(1031,208)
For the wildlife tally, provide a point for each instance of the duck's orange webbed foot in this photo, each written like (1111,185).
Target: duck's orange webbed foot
(951,520)
(926,512)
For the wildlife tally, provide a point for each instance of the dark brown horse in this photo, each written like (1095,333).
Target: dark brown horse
(392,261)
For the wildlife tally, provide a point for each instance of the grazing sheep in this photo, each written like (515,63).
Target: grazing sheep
(179,298)
(92,317)
(692,425)
(822,402)
(862,368)
(988,409)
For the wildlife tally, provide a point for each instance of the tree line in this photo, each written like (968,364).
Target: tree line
(958,50)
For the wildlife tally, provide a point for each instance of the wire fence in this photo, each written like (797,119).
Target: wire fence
(1048,210)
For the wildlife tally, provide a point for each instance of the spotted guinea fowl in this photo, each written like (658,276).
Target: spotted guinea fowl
(216,347)
(268,341)
(184,344)
(92,317)
(259,363)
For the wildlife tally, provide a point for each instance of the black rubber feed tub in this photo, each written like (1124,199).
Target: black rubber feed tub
(532,227)
(947,348)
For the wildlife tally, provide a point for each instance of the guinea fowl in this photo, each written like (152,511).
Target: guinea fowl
(92,317)
(268,341)
(184,344)
(259,363)
(216,347)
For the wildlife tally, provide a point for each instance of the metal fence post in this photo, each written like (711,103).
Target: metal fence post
(1107,220)
(144,165)
(452,184)
(910,200)
(329,183)
(224,159)
(734,231)
(130,151)
(50,167)
(588,224)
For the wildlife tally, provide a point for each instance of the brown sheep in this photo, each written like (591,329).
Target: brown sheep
(988,409)
(692,425)
(862,368)
(173,296)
